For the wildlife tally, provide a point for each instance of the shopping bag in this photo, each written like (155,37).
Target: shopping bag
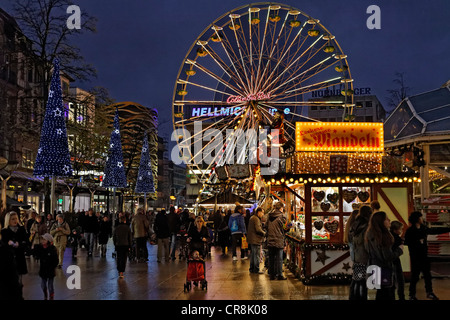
(244,243)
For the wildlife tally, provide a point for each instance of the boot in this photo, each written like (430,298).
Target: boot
(52,296)
(45,294)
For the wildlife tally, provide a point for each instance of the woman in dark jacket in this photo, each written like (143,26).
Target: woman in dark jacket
(48,257)
(360,256)
(122,242)
(104,234)
(198,235)
(162,232)
(15,235)
(224,233)
(379,245)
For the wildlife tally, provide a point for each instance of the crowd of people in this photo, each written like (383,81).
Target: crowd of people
(259,236)
(376,241)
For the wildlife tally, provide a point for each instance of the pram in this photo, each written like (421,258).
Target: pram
(196,271)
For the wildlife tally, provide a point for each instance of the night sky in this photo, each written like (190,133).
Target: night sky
(140,44)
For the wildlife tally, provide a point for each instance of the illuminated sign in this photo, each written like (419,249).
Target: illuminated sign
(250,97)
(215,111)
(224,111)
(337,92)
(339,136)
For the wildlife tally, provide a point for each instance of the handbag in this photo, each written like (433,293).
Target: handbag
(387,279)
(244,243)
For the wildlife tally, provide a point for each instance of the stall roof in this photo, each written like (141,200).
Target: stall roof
(425,114)
(226,198)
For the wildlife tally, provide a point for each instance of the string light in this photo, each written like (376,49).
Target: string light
(114,175)
(145,183)
(53,158)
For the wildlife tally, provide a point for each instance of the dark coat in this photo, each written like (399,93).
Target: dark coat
(379,255)
(162,226)
(48,259)
(122,235)
(255,233)
(22,238)
(10,288)
(356,238)
(416,240)
(275,229)
(105,232)
(174,222)
(90,224)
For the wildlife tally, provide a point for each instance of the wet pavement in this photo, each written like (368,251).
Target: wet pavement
(227,280)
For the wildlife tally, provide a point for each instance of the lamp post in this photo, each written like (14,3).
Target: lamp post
(9,166)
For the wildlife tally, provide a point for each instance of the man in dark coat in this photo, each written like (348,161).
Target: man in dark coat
(416,240)
(173,219)
(162,232)
(275,241)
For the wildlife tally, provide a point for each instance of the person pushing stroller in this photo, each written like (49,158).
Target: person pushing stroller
(198,237)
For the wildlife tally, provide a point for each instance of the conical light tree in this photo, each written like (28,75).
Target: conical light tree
(144,182)
(53,157)
(114,174)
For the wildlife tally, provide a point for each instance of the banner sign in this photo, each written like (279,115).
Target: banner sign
(339,136)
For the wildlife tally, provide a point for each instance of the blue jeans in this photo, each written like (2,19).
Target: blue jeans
(255,256)
(275,262)
(90,240)
(47,283)
(173,245)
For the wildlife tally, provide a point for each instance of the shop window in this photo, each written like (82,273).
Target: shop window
(325,228)
(353,197)
(27,159)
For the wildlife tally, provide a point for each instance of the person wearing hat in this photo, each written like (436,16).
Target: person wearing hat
(48,259)
(60,231)
(416,240)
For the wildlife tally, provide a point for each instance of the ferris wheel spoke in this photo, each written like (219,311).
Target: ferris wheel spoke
(294,87)
(218,60)
(240,51)
(298,75)
(229,50)
(293,64)
(272,49)
(285,52)
(216,77)
(203,87)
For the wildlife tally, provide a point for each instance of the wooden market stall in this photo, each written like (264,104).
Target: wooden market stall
(335,167)
(418,133)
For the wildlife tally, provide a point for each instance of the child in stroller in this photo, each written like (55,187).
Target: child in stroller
(198,244)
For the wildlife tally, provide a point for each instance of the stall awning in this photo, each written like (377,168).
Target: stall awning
(14,203)
(226,198)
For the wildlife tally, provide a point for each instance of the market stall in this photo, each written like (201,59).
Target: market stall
(335,167)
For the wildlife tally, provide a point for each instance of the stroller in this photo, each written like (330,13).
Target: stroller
(196,271)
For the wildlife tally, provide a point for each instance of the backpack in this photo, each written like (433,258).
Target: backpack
(234,225)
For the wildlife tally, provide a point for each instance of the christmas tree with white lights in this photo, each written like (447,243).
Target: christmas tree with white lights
(114,173)
(53,157)
(144,182)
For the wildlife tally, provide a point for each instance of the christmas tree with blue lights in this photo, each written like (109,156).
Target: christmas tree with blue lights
(53,157)
(144,182)
(114,173)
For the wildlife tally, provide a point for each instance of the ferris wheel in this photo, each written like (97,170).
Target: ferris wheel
(253,64)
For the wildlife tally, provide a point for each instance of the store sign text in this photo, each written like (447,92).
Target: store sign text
(250,97)
(339,136)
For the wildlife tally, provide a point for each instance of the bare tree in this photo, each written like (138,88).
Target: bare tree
(399,93)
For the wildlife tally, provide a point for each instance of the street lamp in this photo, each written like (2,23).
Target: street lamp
(9,166)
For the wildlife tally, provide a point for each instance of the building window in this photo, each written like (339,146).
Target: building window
(27,159)
(369,119)
(368,104)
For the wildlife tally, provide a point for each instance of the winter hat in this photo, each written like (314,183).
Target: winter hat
(48,237)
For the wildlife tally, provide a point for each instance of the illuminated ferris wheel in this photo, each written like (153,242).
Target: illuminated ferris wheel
(254,64)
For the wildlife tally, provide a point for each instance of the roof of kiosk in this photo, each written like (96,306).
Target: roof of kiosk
(424,114)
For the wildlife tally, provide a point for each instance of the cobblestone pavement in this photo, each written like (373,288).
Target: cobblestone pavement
(227,280)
